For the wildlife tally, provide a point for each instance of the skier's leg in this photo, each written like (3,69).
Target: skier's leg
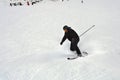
(78,51)
(74,47)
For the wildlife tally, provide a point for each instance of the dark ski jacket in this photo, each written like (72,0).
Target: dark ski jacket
(71,34)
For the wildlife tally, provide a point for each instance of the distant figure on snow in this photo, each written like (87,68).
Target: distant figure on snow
(73,37)
(28,3)
(63,0)
(81,1)
(10,4)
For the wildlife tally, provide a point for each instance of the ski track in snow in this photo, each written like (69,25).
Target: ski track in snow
(30,37)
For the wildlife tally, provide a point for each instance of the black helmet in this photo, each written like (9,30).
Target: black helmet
(65,27)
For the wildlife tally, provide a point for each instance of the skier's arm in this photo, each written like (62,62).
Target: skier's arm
(64,38)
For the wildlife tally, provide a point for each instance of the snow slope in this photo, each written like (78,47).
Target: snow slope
(30,37)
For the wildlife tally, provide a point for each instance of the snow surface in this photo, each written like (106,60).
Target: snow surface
(30,41)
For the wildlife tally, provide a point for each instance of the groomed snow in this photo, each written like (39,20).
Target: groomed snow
(30,41)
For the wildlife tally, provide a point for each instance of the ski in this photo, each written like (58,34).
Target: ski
(83,55)
(72,58)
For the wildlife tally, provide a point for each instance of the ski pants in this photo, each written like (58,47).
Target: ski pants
(74,47)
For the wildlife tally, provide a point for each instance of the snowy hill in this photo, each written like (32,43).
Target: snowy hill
(30,41)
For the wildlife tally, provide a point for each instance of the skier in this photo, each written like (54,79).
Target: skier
(73,37)
(63,0)
(81,1)
(10,4)
(28,3)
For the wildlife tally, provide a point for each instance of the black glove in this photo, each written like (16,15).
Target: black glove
(61,43)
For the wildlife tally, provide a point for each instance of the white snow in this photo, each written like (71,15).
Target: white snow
(30,41)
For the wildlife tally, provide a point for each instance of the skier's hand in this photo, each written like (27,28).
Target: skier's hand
(61,43)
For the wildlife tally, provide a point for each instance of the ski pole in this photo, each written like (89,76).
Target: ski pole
(87,30)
